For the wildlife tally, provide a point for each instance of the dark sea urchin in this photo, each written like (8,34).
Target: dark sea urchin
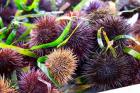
(103,10)
(106,72)
(32,82)
(5,86)
(137,75)
(46,31)
(9,61)
(113,26)
(93,5)
(81,40)
(62,64)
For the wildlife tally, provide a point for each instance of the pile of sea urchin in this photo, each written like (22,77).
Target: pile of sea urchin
(68,46)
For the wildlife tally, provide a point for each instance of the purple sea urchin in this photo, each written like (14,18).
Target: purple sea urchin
(30,83)
(93,5)
(5,86)
(46,31)
(137,77)
(106,72)
(62,64)
(102,12)
(113,26)
(81,41)
(9,61)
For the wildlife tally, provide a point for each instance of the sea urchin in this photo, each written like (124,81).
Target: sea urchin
(9,61)
(107,72)
(113,26)
(81,40)
(62,64)
(46,31)
(30,83)
(93,5)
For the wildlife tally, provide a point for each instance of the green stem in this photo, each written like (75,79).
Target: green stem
(109,45)
(132,52)
(99,38)
(1,23)
(66,40)
(22,5)
(19,50)
(80,5)
(126,37)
